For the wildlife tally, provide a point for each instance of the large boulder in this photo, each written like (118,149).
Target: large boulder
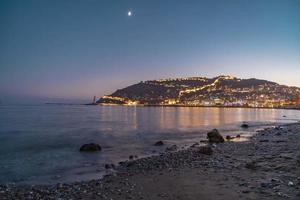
(215,137)
(90,147)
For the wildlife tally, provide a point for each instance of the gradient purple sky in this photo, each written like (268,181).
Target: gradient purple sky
(77,49)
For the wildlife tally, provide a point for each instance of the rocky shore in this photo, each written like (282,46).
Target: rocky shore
(265,167)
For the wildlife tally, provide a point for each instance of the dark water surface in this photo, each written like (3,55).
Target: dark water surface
(40,144)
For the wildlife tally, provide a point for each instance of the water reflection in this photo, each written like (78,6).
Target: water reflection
(39,142)
(186,118)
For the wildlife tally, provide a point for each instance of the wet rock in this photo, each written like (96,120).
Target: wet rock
(203,141)
(215,137)
(283,195)
(228,137)
(172,148)
(251,165)
(109,166)
(246,191)
(290,183)
(159,143)
(244,125)
(91,147)
(275,180)
(130,164)
(266,185)
(195,145)
(287,156)
(263,140)
(205,150)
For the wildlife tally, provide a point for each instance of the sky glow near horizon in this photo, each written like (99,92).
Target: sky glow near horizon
(77,49)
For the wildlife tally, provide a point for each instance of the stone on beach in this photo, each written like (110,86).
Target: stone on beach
(203,141)
(109,166)
(228,137)
(251,165)
(215,137)
(172,148)
(194,145)
(244,125)
(238,170)
(91,147)
(206,150)
(159,143)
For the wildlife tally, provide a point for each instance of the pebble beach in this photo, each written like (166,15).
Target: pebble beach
(266,166)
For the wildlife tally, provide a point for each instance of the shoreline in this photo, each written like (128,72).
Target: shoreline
(195,106)
(264,167)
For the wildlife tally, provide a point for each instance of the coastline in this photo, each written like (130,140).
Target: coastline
(280,108)
(196,106)
(177,105)
(264,167)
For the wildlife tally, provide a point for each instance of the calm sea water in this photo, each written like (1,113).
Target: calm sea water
(40,144)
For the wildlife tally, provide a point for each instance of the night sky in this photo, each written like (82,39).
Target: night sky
(77,49)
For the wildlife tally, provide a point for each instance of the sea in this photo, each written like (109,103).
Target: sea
(39,144)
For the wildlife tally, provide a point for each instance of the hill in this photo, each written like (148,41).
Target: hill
(202,91)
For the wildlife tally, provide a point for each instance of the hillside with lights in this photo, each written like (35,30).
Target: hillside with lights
(201,91)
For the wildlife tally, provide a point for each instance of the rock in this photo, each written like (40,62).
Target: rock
(266,185)
(283,195)
(129,164)
(290,183)
(228,137)
(244,125)
(131,157)
(275,180)
(287,156)
(159,143)
(251,165)
(194,145)
(283,116)
(205,150)
(109,166)
(263,140)
(90,147)
(280,141)
(172,148)
(238,136)
(214,136)
(203,141)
